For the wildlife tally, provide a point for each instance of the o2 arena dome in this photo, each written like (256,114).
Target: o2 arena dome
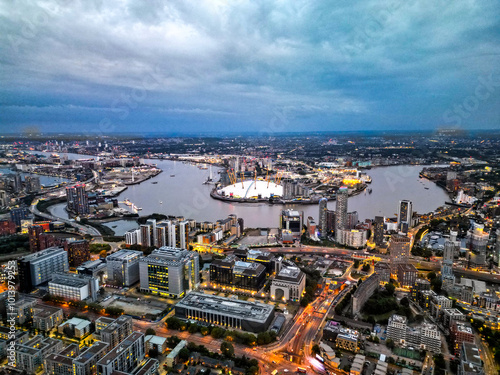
(251,189)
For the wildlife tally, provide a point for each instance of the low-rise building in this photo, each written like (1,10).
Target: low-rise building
(157,343)
(470,360)
(74,287)
(78,327)
(460,332)
(289,284)
(227,312)
(46,317)
(452,315)
(174,354)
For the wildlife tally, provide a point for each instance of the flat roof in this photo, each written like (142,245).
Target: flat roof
(124,254)
(91,351)
(221,305)
(126,343)
(289,274)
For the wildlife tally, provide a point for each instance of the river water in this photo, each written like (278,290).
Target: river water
(179,190)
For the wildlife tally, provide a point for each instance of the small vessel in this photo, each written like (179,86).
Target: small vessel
(172,175)
(426,188)
(154,182)
(369,191)
(161,202)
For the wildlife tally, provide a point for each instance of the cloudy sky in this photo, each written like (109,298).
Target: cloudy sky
(187,66)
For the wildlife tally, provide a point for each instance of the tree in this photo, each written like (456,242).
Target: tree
(356,264)
(173,323)
(150,331)
(193,328)
(389,343)
(103,254)
(227,349)
(404,301)
(184,354)
(263,338)
(431,275)
(217,332)
(390,288)
(315,349)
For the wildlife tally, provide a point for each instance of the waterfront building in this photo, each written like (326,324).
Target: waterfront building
(291,220)
(133,237)
(147,238)
(323,208)
(38,268)
(405,214)
(341,212)
(77,200)
(169,272)
(226,312)
(289,284)
(352,237)
(378,231)
(32,184)
(123,267)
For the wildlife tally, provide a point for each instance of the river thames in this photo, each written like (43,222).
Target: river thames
(179,191)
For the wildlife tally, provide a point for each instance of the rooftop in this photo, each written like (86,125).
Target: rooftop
(70,279)
(126,343)
(96,348)
(124,255)
(290,274)
(248,310)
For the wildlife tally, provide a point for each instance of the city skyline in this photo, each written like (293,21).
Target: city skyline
(100,68)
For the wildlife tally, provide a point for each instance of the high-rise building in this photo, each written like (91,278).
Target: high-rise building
(38,268)
(341,212)
(19,214)
(169,272)
(378,230)
(34,232)
(123,267)
(322,217)
(352,219)
(32,184)
(182,234)
(399,249)
(152,225)
(161,234)
(147,238)
(4,198)
(447,266)
(78,252)
(231,271)
(477,242)
(405,213)
(113,331)
(77,200)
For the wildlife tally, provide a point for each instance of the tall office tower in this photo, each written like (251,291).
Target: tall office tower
(447,266)
(4,198)
(322,217)
(378,230)
(78,252)
(123,267)
(170,272)
(161,234)
(77,199)
(341,212)
(147,238)
(152,224)
(405,213)
(17,183)
(34,232)
(32,184)
(19,214)
(477,242)
(38,268)
(352,219)
(399,249)
(182,234)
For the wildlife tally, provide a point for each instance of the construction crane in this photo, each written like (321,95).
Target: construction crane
(255,180)
(279,174)
(267,178)
(232,176)
(242,177)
